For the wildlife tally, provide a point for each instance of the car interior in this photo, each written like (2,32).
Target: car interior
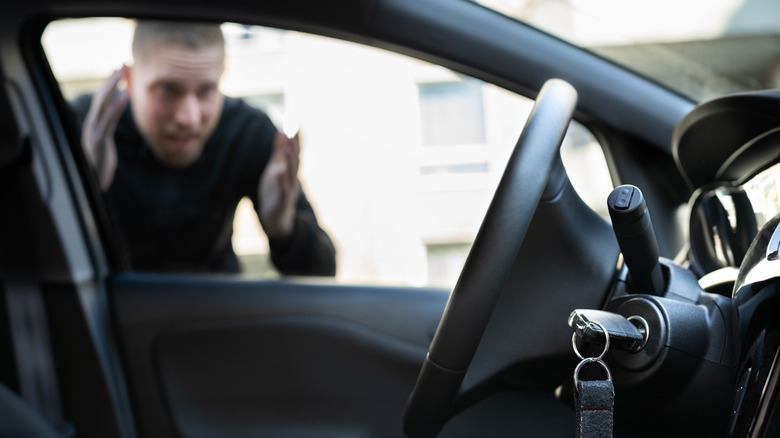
(684,250)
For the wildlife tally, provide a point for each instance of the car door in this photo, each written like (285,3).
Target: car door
(194,355)
(240,356)
(221,355)
(224,356)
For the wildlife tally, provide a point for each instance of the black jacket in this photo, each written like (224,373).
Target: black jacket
(181,219)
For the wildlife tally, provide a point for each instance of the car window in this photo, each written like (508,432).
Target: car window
(399,157)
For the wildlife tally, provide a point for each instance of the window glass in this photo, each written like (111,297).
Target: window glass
(763,190)
(399,157)
(451,113)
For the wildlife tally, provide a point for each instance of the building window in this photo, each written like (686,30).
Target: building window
(451,113)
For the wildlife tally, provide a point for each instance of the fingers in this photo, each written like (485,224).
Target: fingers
(102,101)
(112,111)
(106,103)
(279,187)
(100,124)
(287,153)
(293,159)
(120,103)
(106,127)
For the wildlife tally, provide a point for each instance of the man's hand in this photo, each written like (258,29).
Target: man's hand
(279,188)
(97,137)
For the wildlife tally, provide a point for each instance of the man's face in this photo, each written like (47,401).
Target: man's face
(176,101)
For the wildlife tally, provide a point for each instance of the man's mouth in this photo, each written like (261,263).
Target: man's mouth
(181,141)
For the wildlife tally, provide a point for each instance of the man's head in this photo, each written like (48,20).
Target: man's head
(173,87)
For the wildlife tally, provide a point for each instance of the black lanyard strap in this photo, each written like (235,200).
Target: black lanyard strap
(594,402)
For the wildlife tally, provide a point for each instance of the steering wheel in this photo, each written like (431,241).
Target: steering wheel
(490,260)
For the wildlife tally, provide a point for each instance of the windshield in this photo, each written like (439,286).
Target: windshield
(699,48)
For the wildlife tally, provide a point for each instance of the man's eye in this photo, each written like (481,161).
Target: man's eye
(206,91)
(168,90)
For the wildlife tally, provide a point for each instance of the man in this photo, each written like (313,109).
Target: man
(174,157)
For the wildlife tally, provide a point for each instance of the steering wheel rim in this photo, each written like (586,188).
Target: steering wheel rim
(490,260)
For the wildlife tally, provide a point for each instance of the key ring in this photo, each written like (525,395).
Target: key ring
(591,359)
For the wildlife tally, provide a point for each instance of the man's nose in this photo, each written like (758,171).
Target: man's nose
(188,111)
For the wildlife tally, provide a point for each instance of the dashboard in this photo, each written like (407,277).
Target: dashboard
(729,149)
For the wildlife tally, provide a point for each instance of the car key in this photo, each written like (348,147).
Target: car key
(623,334)
(594,400)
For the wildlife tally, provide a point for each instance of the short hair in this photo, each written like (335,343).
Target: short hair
(189,35)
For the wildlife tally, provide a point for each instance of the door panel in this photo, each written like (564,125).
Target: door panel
(285,374)
(210,356)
